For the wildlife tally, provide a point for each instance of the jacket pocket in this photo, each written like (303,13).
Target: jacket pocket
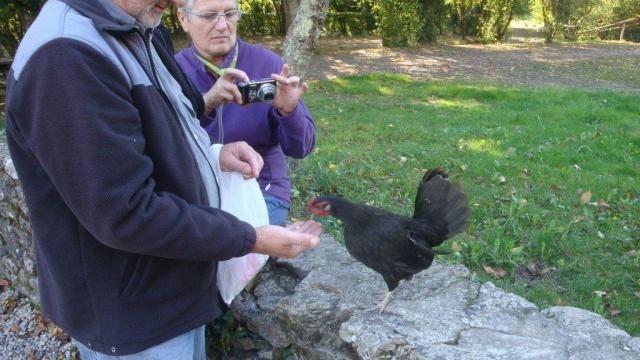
(154,280)
(129,280)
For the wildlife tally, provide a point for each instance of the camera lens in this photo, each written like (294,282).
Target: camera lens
(266,93)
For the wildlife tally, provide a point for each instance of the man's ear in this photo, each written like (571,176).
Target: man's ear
(184,22)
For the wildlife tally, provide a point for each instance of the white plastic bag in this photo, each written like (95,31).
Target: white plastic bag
(243,199)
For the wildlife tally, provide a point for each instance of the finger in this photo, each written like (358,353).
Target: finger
(285,71)
(226,96)
(254,166)
(260,163)
(253,159)
(304,87)
(231,92)
(307,225)
(280,79)
(314,228)
(309,241)
(237,97)
(295,226)
(244,168)
(231,74)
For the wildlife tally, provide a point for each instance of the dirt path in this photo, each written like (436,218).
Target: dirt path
(525,60)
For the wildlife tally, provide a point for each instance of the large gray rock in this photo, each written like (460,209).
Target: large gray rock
(321,306)
(16,256)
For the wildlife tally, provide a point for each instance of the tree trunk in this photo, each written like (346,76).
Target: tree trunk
(303,33)
(290,11)
(301,40)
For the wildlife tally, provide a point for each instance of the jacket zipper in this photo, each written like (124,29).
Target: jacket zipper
(146,38)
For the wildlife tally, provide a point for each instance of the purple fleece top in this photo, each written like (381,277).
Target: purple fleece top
(259,124)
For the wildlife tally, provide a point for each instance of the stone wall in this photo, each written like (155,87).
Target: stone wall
(321,305)
(16,257)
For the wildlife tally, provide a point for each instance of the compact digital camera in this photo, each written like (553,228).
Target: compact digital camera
(262,90)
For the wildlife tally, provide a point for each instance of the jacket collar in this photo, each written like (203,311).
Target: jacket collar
(106,15)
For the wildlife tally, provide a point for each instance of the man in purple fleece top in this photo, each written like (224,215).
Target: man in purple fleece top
(275,130)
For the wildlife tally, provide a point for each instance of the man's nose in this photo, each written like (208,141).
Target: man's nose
(221,22)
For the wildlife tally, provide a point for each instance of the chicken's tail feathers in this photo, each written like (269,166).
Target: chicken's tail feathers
(458,211)
(441,204)
(433,172)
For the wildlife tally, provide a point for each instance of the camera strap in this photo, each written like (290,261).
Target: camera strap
(217,72)
(214,69)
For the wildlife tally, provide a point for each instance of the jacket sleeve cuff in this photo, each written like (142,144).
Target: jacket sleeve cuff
(248,239)
(297,112)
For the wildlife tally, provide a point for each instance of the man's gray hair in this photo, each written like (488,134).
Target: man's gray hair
(189,4)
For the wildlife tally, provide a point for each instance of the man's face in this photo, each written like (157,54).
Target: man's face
(147,12)
(213,39)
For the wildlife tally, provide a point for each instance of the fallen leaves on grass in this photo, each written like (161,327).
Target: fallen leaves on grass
(602,294)
(533,272)
(612,311)
(585,197)
(578,218)
(498,273)
(602,205)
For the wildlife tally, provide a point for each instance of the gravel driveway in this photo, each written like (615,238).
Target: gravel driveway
(529,63)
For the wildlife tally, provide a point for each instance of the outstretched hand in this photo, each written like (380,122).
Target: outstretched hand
(289,241)
(289,91)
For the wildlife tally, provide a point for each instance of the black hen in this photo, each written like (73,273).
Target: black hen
(397,246)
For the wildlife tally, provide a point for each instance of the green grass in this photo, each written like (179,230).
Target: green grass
(528,159)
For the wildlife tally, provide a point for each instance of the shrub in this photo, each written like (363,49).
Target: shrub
(399,21)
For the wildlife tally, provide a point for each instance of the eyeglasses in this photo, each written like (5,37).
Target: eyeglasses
(230,16)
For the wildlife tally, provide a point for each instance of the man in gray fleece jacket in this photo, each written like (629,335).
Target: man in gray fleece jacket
(104,133)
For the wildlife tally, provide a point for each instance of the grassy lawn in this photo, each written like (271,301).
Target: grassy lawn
(552,176)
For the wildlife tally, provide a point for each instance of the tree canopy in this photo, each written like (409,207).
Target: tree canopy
(401,22)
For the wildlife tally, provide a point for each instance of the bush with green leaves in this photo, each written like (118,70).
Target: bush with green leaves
(349,18)
(542,11)
(573,19)
(465,16)
(434,18)
(15,18)
(494,20)
(609,12)
(399,21)
(260,18)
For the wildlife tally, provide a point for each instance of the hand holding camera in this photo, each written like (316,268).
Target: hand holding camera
(225,89)
(282,91)
(289,91)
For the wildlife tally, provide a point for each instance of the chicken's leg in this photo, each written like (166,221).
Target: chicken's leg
(385,301)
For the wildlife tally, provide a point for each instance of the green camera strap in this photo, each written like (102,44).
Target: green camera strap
(214,69)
